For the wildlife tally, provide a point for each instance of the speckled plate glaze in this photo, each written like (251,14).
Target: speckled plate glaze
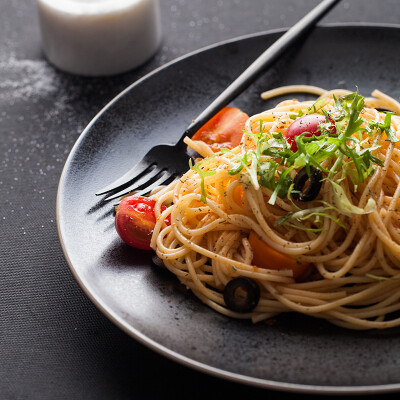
(293,352)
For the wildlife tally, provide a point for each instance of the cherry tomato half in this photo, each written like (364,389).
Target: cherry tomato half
(224,130)
(308,123)
(135,221)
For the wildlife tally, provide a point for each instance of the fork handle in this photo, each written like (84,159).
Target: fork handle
(264,61)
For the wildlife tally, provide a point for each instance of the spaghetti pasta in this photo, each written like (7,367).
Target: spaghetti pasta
(349,235)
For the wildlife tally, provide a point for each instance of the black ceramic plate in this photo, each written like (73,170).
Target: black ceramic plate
(293,352)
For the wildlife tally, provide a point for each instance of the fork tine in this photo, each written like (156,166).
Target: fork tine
(148,177)
(163,180)
(166,176)
(125,179)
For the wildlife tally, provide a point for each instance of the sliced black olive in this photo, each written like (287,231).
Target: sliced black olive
(313,188)
(241,294)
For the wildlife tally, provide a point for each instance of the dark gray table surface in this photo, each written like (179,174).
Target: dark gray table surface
(54,343)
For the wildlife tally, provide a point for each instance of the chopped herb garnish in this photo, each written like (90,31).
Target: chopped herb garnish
(382,278)
(203,175)
(317,212)
(346,139)
(386,127)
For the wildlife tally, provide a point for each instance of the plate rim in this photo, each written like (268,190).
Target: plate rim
(147,341)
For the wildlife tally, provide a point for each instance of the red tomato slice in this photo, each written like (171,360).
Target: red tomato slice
(224,130)
(135,221)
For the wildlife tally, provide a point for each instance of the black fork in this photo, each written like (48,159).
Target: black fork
(161,165)
(165,162)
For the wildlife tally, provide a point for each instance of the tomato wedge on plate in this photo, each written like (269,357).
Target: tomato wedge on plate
(224,130)
(269,258)
(135,221)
